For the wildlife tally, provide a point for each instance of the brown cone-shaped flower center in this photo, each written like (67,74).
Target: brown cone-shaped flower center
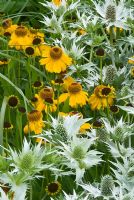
(114,109)
(46,93)
(74,88)
(36,41)
(37,84)
(34,115)
(13,101)
(21,31)
(97,124)
(7,34)
(49,100)
(105,91)
(59,81)
(34,99)
(7,125)
(6,23)
(53,187)
(29,51)
(56,52)
(21,109)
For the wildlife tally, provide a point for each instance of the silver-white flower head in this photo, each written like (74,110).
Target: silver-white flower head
(71,124)
(29,160)
(113,14)
(16,182)
(78,155)
(53,24)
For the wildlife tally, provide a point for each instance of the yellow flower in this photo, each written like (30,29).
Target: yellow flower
(55,60)
(82,31)
(85,127)
(57,2)
(131,60)
(40,104)
(132,71)
(76,96)
(20,38)
(102,97)
(35,122)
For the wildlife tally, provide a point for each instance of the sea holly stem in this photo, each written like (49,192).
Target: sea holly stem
(111,35)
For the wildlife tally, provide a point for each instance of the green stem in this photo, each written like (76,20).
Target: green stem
(101,69)
(91,54)
(2,116)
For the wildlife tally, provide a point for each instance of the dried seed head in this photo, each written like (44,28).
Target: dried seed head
(110,74)
(107,185)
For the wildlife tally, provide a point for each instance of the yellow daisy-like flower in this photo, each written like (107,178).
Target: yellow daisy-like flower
(132,71)
(53,188)
(75,94)
(55,60)
(20,38)
(57,2)
(40,104)
(35,122)
(102,97)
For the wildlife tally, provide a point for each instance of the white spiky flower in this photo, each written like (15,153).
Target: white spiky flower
(53,24)
(113,14)
(17,184)
(120,131)
(29,160)
(78,156)
(73,196)
(71,124)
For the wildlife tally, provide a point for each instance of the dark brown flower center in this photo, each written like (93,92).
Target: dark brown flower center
(13,101)
(7,125)
(49,100)
(29,51)
(21,109)
(56,52)
(21,31)
(34,115)
(7,34)
(36,41)
(6,23)
(58,80)
(114,109)
(46,93)
(100,52)
(105,91)
(37,84)
(34,99)
(97,124)
(74,88)
(53,187)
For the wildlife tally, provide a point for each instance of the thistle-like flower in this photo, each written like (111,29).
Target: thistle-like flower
(78,156)
(107,185)
(113,14)
(29,160)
